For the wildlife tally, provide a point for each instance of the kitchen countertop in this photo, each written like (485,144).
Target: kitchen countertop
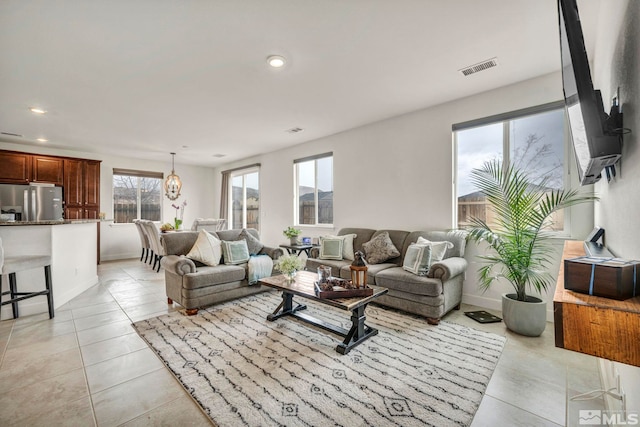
(59,222)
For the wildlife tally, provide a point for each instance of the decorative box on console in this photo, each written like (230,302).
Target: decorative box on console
(603,277)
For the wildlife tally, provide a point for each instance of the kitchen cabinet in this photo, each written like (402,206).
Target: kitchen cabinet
(15,168)
(47,169)
(82,188)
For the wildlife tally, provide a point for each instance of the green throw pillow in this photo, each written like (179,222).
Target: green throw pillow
(235,252)
(417,260)
(331,248)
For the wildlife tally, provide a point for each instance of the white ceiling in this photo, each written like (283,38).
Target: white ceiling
(146,77)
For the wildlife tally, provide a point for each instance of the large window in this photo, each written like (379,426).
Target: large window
(244,200)
(314,190)
(136,194)
(533,140)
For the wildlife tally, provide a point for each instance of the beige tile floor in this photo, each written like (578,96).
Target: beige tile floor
(88,366)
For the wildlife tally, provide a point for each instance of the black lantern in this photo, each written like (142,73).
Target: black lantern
(358,271)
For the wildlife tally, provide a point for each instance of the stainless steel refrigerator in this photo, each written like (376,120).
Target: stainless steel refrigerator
(33,202)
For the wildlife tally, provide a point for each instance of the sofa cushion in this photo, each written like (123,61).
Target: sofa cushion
(438,249)
(207,249)
(363,235)
(401,280)
(417,260)
(235,252)
(312,265)
(220,274)
(179,243)
(253,244)
(380,248)
(372,271)
(331,247)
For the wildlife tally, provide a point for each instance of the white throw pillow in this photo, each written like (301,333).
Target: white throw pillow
(207,249)
(438,249)
(347,245)
(417,260)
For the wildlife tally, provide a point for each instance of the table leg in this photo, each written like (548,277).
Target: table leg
(285,308)
(358,333)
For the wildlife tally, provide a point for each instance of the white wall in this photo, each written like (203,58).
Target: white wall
(617,64)
(397,173)
(120,241)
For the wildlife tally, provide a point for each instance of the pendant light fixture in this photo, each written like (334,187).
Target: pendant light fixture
(172,185)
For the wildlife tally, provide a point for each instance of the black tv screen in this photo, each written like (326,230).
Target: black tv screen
(594,148)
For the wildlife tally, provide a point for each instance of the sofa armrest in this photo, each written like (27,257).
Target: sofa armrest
(448,268)
(179,265)
(314,253)
(274,253)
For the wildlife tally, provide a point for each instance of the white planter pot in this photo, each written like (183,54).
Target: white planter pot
(527,318)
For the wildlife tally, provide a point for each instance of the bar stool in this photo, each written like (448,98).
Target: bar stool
(13,265)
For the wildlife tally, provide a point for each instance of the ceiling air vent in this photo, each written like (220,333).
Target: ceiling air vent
(11,134)
(476,68)
(294,130)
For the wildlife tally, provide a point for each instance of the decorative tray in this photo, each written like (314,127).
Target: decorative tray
(339,289)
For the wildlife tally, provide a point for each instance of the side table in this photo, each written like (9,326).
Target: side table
(298,249)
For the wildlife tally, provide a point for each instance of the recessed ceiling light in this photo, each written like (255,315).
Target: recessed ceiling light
(276,61)
(37,110)
(219,155)
(42,140)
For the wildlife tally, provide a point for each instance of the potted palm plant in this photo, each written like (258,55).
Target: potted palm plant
(520,240)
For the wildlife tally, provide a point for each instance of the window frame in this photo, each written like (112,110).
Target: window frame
(506,119)
(137,174)
(234,174)
(296,189)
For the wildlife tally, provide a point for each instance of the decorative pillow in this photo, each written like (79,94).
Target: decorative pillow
(417,260)
(207,249)
(331,248)
(438,249)
(235,252)
(347,245)
(254,245)
(380,248)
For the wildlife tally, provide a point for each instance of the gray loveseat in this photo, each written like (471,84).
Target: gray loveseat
(431,296)
(194,286)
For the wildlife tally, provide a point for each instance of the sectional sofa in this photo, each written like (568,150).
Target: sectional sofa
(431,296)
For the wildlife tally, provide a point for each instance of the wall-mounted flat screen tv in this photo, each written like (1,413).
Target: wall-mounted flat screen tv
(595,146)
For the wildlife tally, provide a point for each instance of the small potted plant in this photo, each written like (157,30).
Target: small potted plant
(292,234)
(289,265)
(179,214)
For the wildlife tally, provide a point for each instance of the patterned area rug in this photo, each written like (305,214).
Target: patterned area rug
(246,371)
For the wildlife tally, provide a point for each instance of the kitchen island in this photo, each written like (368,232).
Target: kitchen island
(72,245)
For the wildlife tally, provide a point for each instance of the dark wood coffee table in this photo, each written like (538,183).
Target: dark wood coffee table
(303,286)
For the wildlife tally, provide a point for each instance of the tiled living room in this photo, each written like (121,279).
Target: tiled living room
(369,117)
(88,365)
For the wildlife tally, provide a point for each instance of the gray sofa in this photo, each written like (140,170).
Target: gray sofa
(194,285)
(431,296)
